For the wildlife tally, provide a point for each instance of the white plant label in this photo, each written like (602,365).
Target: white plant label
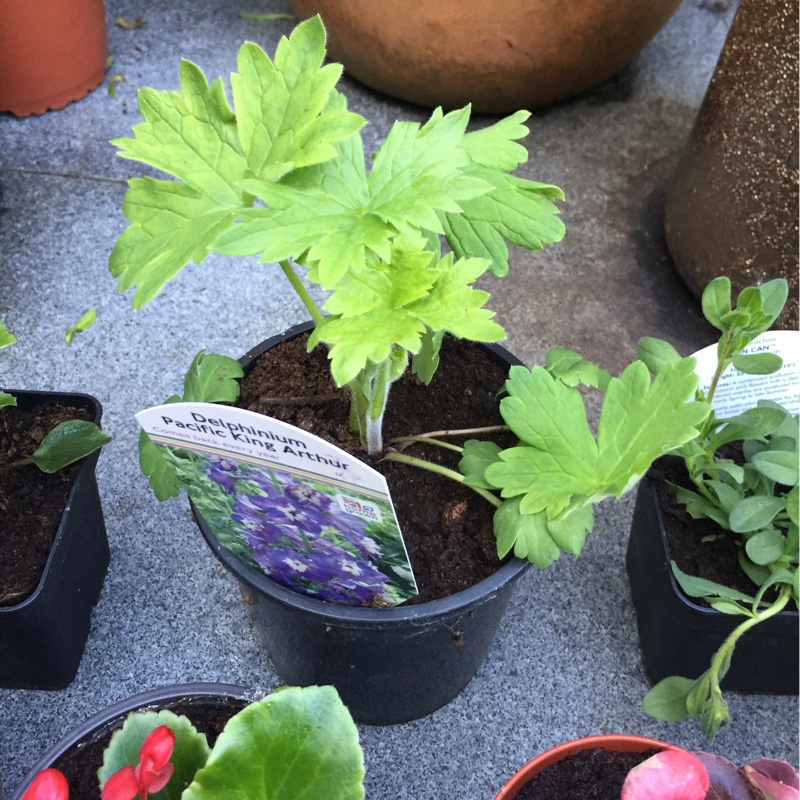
(308,514)
(736,391)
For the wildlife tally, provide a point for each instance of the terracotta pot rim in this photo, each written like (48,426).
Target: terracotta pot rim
(612,742)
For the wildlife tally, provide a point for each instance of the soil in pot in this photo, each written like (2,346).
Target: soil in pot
(209,714)
(595,774)
(31,501)
(696,545)
(447,527)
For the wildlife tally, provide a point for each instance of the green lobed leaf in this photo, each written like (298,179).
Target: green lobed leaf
(571,368)
(716,301)
(189,754)
(656,353)
(757,363)
(83,324)
(527,534)
(212,379)
(780,466)
(285,121)
(425,363)
(667,699)
(68,442)
(295,744)
(281,110)
(7,399)
(6,338)
(754,513)
(171,224)
(477,456)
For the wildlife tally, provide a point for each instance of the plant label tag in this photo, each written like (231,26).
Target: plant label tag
(737,391)
(309,515)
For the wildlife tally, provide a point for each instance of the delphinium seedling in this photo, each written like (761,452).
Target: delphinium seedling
(282,176)
(549,482)
(295,743)
(67,443)
(675,774)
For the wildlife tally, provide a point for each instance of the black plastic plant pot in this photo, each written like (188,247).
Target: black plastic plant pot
(389,665)
(42,638)
(90,737)
(679,637)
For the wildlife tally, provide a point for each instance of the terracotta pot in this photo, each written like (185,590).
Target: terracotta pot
(732,206)
(613,743)
(51,52)
(499,56)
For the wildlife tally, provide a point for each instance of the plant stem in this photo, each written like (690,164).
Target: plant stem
(426,440)
(393,455)
(461,432)
(302,293)
(727,646)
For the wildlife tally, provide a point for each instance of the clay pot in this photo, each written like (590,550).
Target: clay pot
(499,56)
(612,743)
(51,52)
(732,207)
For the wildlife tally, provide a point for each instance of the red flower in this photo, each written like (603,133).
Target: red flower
(49,784)
(149,776)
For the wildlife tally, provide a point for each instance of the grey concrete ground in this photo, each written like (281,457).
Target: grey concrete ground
(565,662)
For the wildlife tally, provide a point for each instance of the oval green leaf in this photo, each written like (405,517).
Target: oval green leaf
(778,465)
(757,363)
(667,699)
(754,513)
(68,442)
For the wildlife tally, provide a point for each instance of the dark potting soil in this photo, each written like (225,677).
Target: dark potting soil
(31,501)
(696,545)
(80,764)
(447,528)
(589,775)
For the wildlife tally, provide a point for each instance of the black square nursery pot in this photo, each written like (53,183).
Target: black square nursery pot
(679,637)
(42,638)
(390,665)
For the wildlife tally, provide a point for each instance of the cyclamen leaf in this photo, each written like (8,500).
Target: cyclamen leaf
(295,744)
(728,782)
(68,442)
